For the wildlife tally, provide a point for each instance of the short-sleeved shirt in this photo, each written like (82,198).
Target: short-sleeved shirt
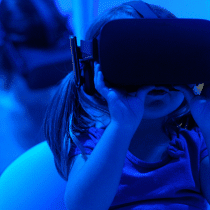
(171,183)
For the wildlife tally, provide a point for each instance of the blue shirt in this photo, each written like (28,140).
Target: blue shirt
(171,183)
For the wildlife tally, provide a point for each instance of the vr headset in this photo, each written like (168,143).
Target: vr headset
(137,52)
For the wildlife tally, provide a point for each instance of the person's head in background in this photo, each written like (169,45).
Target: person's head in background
(31,24)
(35,25)
(71,113)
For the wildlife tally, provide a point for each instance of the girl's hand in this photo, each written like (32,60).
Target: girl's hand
(199,105)
(124,109)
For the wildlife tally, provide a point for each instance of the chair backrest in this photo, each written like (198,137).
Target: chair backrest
(32,182)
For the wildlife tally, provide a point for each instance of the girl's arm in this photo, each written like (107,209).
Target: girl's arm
(95,185)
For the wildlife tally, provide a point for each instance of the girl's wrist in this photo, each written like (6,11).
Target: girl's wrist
(124,126)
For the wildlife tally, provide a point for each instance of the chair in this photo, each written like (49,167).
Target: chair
(32,182)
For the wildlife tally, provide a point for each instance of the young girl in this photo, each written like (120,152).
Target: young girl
(125,151)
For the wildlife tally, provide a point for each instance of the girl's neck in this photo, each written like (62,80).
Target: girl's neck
(150,131)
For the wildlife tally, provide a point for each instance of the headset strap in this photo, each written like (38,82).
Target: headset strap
(142,9)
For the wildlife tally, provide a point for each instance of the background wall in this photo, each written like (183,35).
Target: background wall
(181,8)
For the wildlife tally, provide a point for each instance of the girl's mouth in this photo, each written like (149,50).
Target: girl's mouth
(157,92)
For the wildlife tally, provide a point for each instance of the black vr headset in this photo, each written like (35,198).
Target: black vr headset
(137,52)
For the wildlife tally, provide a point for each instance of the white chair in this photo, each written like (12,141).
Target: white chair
(32,182)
